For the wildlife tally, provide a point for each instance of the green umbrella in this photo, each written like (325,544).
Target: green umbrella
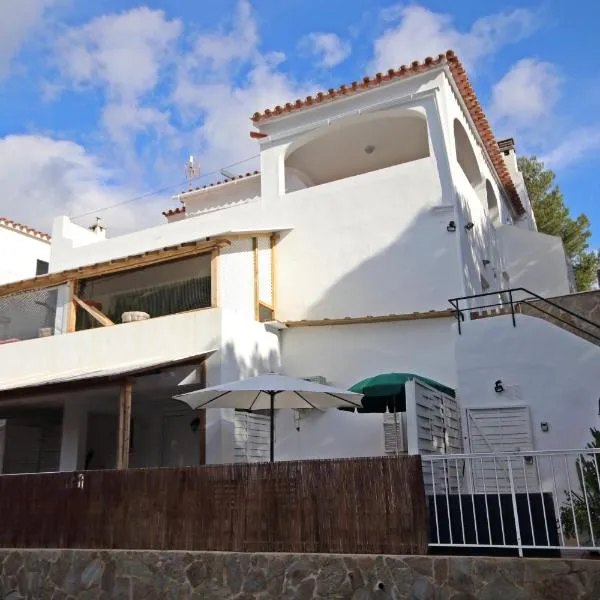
(393,384)
(387,391)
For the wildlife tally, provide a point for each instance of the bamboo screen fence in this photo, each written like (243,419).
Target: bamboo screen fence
(371,505)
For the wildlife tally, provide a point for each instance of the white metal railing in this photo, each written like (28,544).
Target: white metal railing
(547,500)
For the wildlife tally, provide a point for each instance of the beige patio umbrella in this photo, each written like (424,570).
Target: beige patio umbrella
(268,392)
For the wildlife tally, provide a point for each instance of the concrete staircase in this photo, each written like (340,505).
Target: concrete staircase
(578,314)
(585,323)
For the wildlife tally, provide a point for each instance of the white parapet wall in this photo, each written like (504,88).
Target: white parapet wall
(534,261)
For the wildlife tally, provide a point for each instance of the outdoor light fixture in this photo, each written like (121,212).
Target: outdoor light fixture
(498,387)
(451,227)
(469,226)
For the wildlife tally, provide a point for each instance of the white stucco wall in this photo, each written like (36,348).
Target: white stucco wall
(222,196)
(19,254)
(161,339)
(344,355)
(552,371)
(535,261)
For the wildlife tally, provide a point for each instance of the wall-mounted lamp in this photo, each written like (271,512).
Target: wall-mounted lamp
(451,227)
(469,226)
(498,387)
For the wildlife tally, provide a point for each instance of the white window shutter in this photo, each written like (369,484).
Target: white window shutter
(392,434)
(252,437)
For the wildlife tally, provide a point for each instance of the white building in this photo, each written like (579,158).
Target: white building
(24,251)
(375,203)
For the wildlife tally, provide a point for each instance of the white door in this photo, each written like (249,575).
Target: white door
(498,430)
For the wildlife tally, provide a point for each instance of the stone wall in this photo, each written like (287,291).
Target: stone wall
(586,304)
(138,575)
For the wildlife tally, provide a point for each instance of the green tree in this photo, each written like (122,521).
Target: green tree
(552,217)
(582,505)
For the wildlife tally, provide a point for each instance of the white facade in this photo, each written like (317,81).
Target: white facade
(372,210)
(20,250)
(551,372)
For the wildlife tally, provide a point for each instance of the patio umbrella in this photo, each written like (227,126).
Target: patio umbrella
(387,391)
(267,392)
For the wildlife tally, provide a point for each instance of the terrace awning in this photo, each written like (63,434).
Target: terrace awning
(37,382)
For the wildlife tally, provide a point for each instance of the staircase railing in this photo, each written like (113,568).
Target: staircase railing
(511,299)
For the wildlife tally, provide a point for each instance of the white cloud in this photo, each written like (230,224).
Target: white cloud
(17,20)
(123,52)
(219,50)
(576,146)
(526,95)
(418,32)
(124,55)
(329,49)
(41,178)
(222,82)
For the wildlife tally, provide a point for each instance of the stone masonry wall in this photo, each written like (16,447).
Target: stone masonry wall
(586,304)
(141,575)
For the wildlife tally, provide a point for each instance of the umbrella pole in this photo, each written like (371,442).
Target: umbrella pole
(272,394)
(396,428)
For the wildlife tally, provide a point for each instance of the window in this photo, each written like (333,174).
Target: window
(41,267)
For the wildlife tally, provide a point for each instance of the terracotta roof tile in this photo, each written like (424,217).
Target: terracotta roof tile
(40,235)
(221,182)
(174,211)
(463,84)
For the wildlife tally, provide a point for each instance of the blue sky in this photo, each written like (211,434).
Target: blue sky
(101,102)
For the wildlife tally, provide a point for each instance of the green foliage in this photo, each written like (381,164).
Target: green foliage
(576,505)
(552,217)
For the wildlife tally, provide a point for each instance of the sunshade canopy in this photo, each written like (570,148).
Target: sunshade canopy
(255,394)
(270,392)
(389,384)
(386,392)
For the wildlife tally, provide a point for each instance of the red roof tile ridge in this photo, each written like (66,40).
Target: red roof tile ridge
(464,87)
(9,223)
(222,182)
(174,211)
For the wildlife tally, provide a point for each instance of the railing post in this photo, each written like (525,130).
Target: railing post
(514,505)
(512,308)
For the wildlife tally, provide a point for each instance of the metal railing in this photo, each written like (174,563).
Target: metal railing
(522,501)
(509,302)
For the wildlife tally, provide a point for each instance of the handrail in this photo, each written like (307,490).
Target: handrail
(532,296)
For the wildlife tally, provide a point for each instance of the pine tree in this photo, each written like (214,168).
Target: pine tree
(552,217)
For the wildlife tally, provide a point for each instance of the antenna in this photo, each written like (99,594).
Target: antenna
(227,174)
(191,170)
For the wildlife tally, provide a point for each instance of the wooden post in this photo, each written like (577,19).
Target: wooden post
(256,290)
(202,418)
(124,431)
(71,320)
(214,278)
(273,277)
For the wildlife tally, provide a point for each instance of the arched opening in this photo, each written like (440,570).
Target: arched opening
(465,155)
(492,202)
(355,146)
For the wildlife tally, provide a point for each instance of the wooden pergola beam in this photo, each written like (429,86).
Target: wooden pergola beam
(112,267)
